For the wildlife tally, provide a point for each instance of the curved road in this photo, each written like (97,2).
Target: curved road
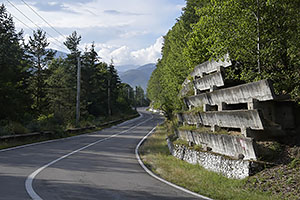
(100,165)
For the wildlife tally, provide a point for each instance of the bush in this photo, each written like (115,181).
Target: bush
(17,128)
(34,126)
(4,131)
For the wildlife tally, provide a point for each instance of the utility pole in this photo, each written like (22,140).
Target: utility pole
(108,98)
(258,37)
(134,97)
(78,90)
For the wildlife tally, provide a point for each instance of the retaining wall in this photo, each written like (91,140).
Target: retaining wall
(231,168)
(227,145)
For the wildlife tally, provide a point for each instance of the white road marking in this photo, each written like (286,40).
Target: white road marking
(158,178)
(30,178)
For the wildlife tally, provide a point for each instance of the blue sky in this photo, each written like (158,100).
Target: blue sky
(127,31)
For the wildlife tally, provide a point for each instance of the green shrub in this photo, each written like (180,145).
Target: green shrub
(4,131)
(17,128)
(34,126)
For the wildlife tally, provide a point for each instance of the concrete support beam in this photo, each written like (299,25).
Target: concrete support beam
(261,90)
(226,119)
(205,68)
(204,83)
(211,66)
(228,145)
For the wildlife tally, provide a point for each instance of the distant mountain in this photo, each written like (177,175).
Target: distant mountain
(124,68)
(60,54)
(139,76)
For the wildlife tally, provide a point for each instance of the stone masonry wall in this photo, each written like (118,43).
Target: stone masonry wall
(230,168)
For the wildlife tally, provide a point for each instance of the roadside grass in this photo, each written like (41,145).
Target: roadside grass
(58,134)
(35,139)
(155,154)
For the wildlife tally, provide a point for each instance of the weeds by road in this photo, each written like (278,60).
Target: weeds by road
(156,156)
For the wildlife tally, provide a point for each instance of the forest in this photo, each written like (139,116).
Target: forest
(260,36)
(38,90)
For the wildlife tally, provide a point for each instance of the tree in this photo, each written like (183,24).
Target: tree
(174,66)
(14,94)
(113,84)
(60,93)
(74,60)
(239,27)
(39,58)
(72,43)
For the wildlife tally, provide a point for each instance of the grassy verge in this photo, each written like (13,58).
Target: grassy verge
(156,156)
(58,134)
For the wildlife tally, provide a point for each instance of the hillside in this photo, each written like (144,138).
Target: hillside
(139,76)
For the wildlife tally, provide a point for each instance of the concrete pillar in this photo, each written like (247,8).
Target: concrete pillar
(253,104)
(213,88)
(215,128)
(220,69)
(246,132)
(196,91)
(222,106)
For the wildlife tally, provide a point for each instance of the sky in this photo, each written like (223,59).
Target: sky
(129,32)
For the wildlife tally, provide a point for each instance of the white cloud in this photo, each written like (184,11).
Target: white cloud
(123,55)
(124,31)
(150,54)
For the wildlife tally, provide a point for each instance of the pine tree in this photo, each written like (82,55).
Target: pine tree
(14,95)
(40,58)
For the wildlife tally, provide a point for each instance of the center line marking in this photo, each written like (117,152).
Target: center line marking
(30,178)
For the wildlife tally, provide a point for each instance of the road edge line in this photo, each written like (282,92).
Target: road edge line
(29,180)
(159,178)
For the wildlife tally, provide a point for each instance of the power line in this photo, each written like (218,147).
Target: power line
(42,18)
(20,21)
(46,21)
(34,24)
(58,45)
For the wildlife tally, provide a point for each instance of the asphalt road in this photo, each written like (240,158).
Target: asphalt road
(100,165)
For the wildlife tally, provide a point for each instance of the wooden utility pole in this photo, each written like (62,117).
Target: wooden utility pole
(78,91)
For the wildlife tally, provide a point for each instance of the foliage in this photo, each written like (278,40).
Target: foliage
(14,75)
(234,26)
(38,92)
(39,58)
(261,37)
(173,68)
